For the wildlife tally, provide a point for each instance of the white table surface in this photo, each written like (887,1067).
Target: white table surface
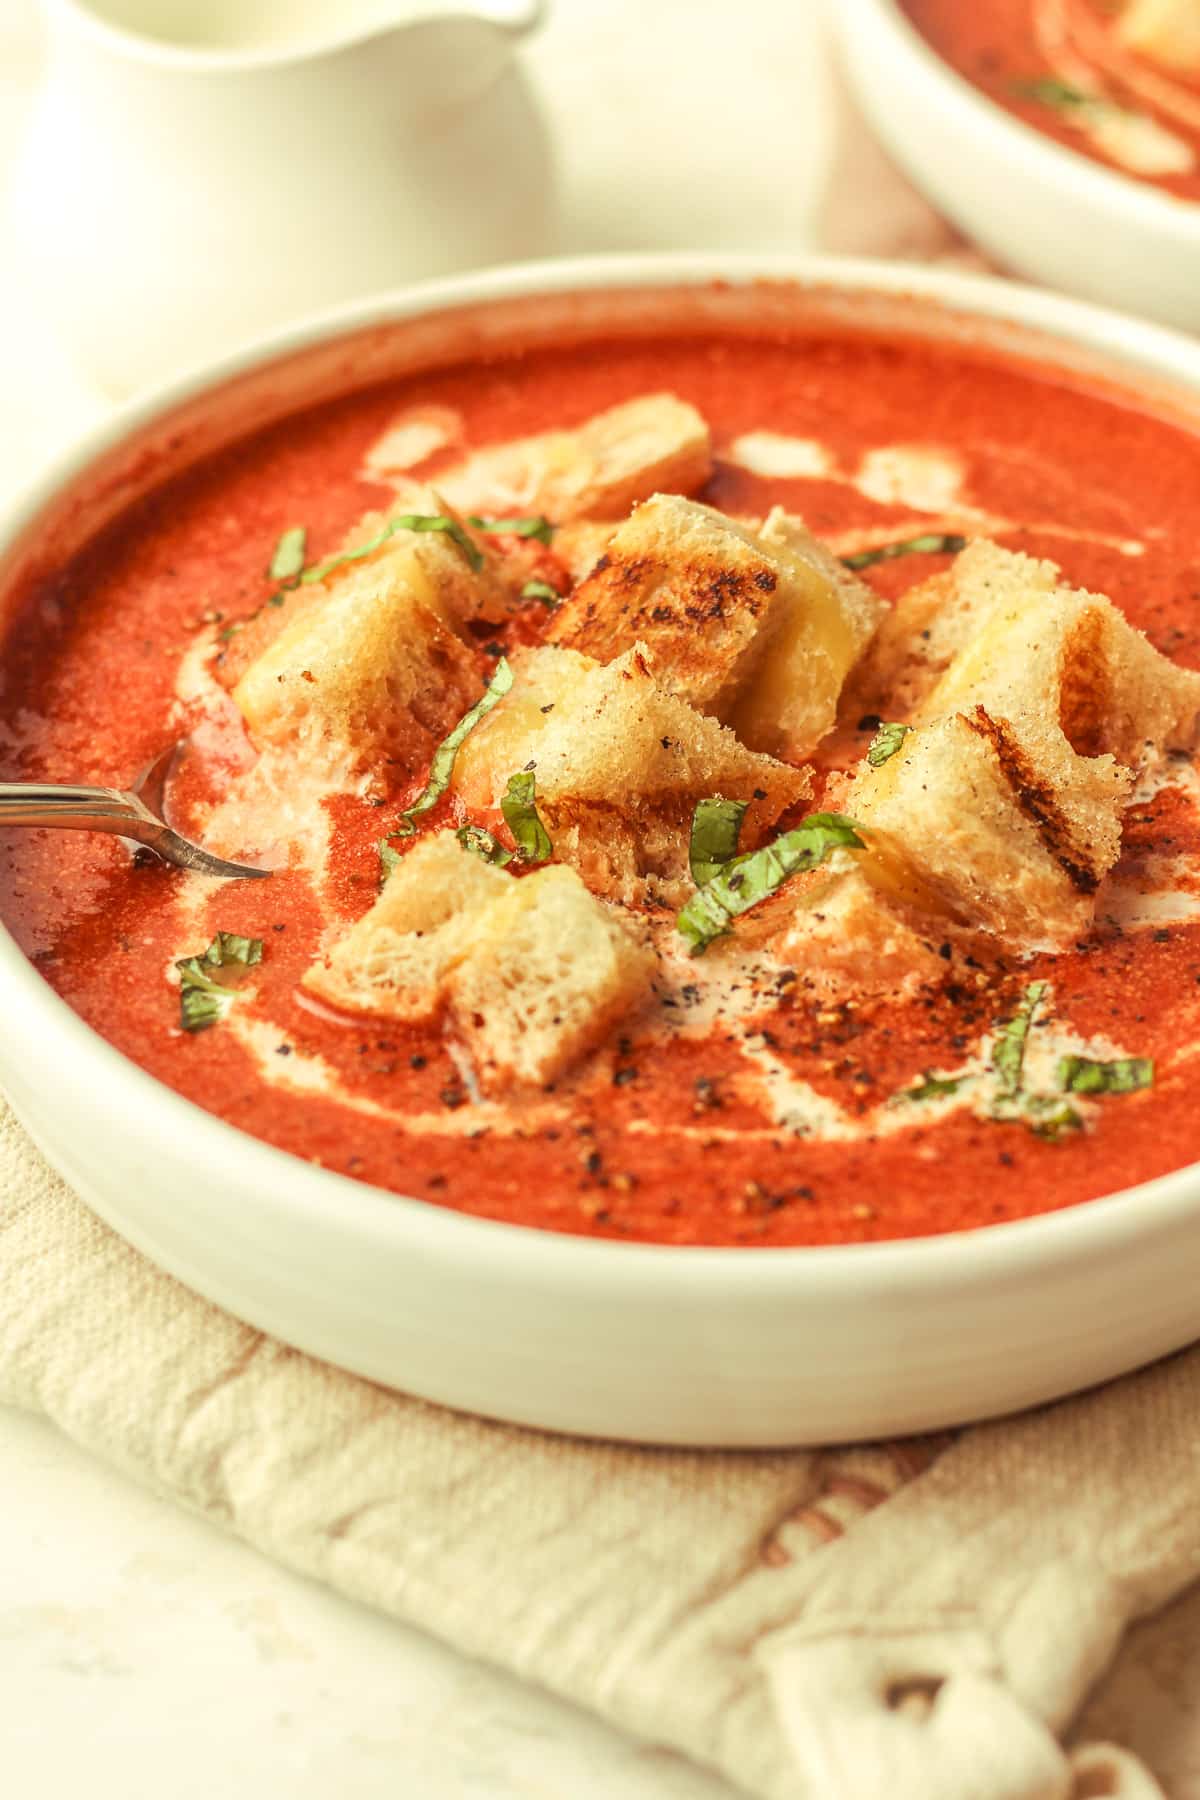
(144,1655)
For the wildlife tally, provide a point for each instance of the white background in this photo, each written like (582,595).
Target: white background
(142,1655)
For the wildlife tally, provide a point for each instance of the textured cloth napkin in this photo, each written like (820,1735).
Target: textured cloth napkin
(918,1619)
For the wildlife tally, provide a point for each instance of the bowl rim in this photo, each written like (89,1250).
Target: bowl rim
(60,1049)
(1040,159)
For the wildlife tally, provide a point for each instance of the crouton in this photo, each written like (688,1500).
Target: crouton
(1068,662)
(1165,31)
(620,764)
(581,544)
(918,638)
(373,673)
(597,471)
(531,972)
(758,630)
(549,973)
(395,959)
(962,819)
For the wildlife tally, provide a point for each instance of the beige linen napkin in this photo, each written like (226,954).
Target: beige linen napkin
(917,1619)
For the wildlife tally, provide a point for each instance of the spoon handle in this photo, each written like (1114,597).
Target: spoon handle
(80,808)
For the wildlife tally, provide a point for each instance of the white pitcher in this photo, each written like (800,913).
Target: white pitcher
(196,171)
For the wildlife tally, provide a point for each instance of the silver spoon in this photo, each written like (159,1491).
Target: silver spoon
(135,812)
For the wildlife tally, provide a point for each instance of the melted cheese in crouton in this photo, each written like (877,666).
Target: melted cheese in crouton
(597,471)
(759,630)
(533,971)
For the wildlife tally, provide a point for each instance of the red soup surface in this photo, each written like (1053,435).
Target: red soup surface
(662,1136)
(1063,67)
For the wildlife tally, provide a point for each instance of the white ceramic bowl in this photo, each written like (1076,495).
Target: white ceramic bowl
(1038,208)
(734,1347)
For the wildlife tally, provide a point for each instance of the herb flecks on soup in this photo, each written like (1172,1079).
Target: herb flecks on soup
(712,798)
(1119,82)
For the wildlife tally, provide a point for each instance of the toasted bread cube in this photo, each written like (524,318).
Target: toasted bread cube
(395,959)
(1165,31)
(597,471)
(759,630)
(549,973)
(620,765)
(963,820)
(533,972)
(581,544)
(374,673)
(920,636)
(1068,664)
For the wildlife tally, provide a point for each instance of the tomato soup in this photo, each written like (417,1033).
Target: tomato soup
(1063,67)
(778,1117)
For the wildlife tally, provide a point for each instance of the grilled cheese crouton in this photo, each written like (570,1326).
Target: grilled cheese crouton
(533,971)
(1166,31)
(919,637)
(550,972)
(1068,662)
(620,764)
(759,630)
(374,673)
(1004,804)
(597,471)
(395,960)
(845,935)
(962,821)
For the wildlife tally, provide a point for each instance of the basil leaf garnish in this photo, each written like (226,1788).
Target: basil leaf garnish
(405,522)
(716,827)
(481,843)
(442,766)
(930,543)
(885,743)
(541,590)
(931,1087)
(533,527)
(1048,90)
(1081,1075)
(520,815)
(203,998)
(749,879)
(288,560)
(1008,1052)
(389,859)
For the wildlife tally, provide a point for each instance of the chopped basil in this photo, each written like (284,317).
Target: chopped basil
(752,878)
(1048,90)
(481,843)
(288,560)
(1008,1052)
(541,590)
(520,815)
(532,527)
(1052,1119)
(442,766)
(931,1087)
(1081,1075)
(203,997)
(930,543)
(716,827)
(406,522)
(389,859)
(885,743)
